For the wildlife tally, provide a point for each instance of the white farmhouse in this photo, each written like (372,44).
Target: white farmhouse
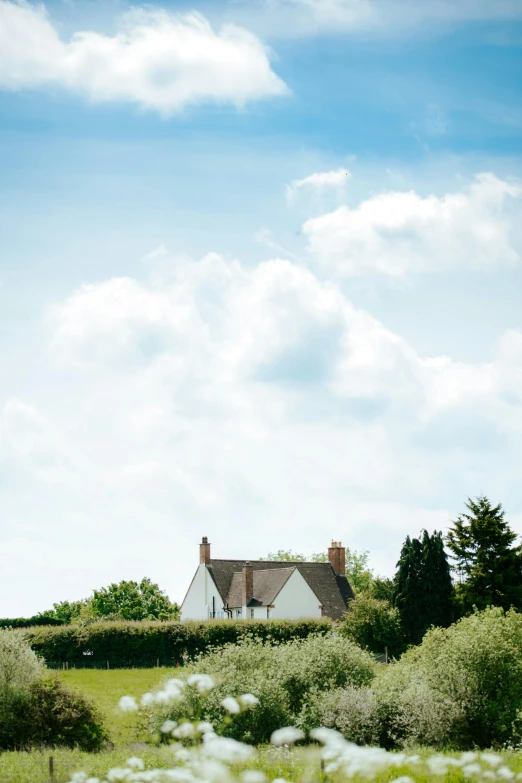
(261,589)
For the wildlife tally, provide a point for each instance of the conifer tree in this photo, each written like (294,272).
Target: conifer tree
(423,587)
(488,565)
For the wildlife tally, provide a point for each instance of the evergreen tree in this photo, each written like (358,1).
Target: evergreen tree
(489,567)
(423,588)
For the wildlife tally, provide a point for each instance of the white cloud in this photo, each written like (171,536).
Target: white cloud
(319,181)
(396,233)
(158,60)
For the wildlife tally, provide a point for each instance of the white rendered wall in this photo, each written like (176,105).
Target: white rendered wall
(198,601)
(296,600)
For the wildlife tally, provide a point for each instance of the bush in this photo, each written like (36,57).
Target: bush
(171,642)
(28,622)
(352,711)
(283,677)
(19,665)
(48,714)
(375,625)
(462,686)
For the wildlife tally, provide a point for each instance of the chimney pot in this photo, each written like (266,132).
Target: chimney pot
(337,557)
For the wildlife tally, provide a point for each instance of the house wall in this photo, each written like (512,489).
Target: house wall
(198,601)
(296,600)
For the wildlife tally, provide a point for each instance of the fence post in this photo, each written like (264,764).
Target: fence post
(107,664)
(157,663)
(386,655)
(51,769)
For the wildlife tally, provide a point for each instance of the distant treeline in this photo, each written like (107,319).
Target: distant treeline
(168,641)
(28,622)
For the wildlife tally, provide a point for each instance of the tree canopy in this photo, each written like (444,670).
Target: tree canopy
(358,572)
(488,564)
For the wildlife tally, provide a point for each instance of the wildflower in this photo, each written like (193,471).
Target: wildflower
(468,757)
(226,749)
(505,773)
(212,770)
(148,699)
(253,776)
(326,736)
(286,736)
(205,727)
(279,780)
(118,774)
(403,779)
(203,682)
(79,777)
(135,763)
(183,754)
(248,700)
(128,704)
(231,705)
(471,769)
(183,731)
(493,759)
(168,726)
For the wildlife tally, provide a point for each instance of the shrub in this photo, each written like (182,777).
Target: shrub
(48,714)
(352,711)
(19,665)
(374,624)
(28,622)
(171,642)
(462,686)
(282,677)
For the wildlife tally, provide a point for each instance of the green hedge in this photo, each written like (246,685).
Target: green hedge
(28,622)
(116,642)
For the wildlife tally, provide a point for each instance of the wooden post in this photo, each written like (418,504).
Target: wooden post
(386,655)
(67,665)
(157,663)
(107,664)
(51,769)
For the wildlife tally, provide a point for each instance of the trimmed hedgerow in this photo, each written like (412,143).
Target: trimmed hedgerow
(170,642)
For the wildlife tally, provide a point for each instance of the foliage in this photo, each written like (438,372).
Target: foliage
(423,587)
(48,714)
(350,710)
(19,665)
(133,601)
(490,567)
(28,622)
(358,572)
(374,625)
(70,611)
(171,642)
(283,677)
(382,588)
(462,686)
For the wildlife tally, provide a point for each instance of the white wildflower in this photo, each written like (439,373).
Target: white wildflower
(403,779)
(203,682)
(183,754)
(231,705)
(173,775)
(493,759)
(205,727)
(135,763)
(128,704)
(183,731)
(489,775)
(168,726)
(148,699)
(226,749)
(468,757)
(505,773)
(213,770)
(471,769)
(79,777)
(286,736)
(415,759)
(118,774)
(279,780)
(327,736)
(253,776)
(437,765)
(248,700)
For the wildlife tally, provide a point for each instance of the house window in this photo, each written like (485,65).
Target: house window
(251,614)
(220,615)
(239,613)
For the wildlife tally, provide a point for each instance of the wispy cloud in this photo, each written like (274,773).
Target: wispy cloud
(319,181)
(157,60)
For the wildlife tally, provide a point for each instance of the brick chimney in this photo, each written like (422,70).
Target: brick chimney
(337,557)
(204,551)
(248,582)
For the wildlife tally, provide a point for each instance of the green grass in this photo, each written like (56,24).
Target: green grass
(106,688)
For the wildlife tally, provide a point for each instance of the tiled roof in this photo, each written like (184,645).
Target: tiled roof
(267,584)
(332,590)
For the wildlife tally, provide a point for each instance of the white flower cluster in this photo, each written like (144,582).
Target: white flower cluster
(209,758)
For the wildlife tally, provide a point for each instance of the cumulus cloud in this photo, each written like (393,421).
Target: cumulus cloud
(157,59)
(319,181)
(396,233)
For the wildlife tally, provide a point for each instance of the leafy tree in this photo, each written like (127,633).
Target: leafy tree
(374,625)
(382,588)
(133,601)
(423,587)
(68,611)
(358,572)
(488,566)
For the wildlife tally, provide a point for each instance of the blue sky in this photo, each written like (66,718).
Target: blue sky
(259,282)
